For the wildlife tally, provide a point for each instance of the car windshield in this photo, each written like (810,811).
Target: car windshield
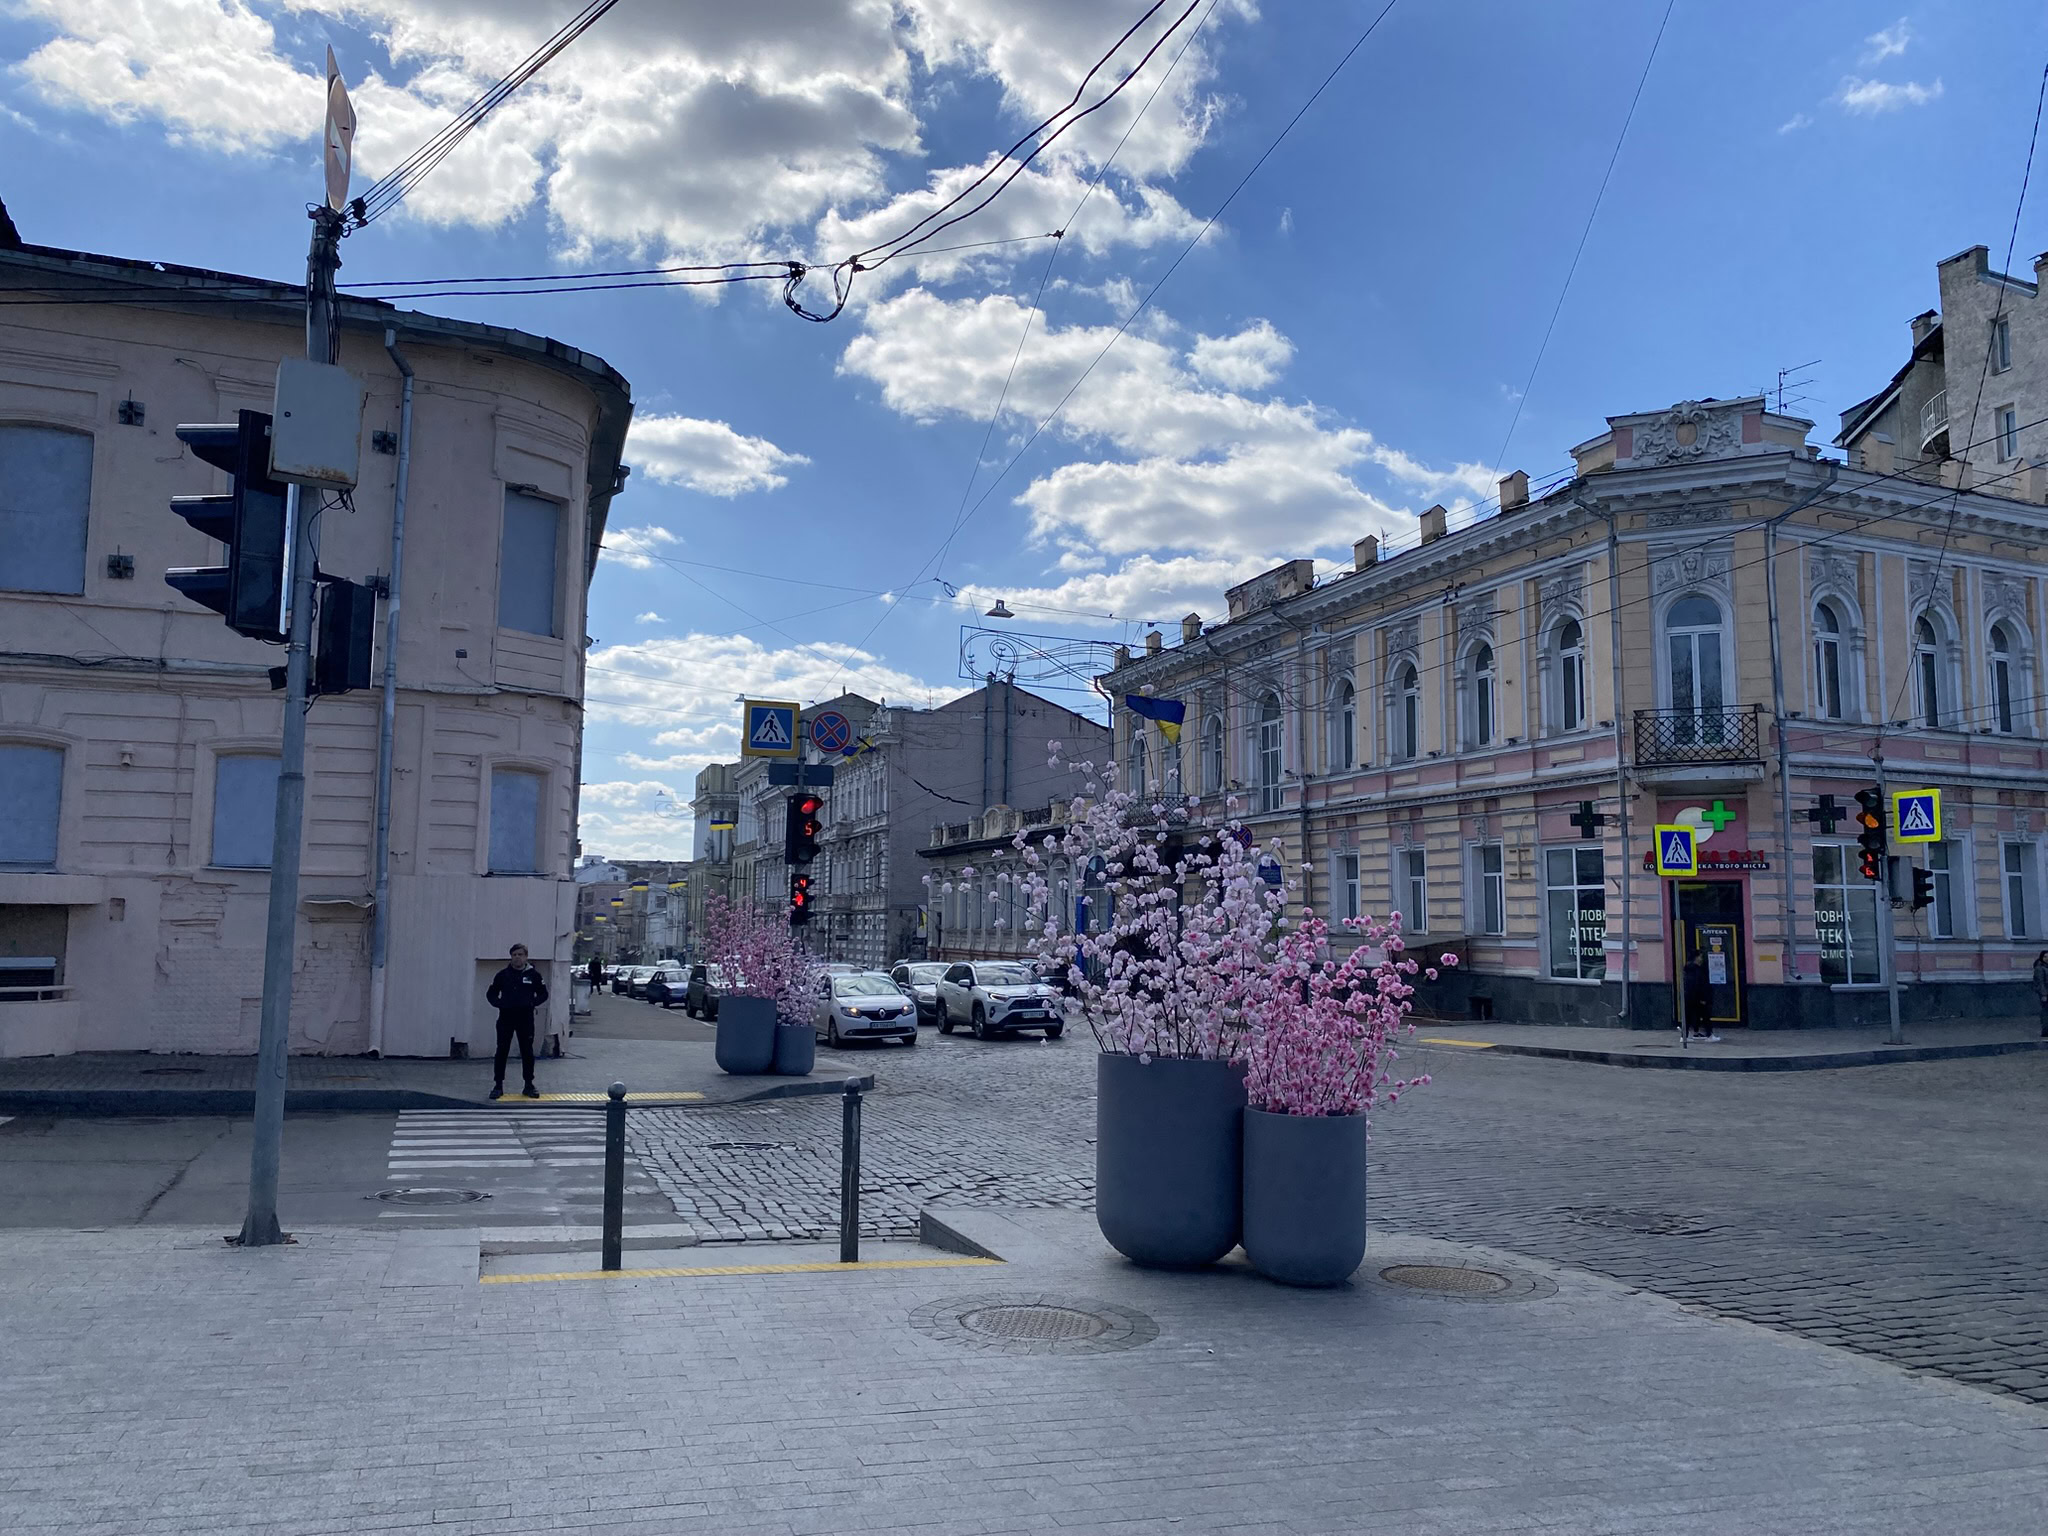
(864,986)
(714,975)
(1004,975)
(920,974)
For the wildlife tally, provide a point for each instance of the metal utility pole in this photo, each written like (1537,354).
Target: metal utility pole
(1888,937)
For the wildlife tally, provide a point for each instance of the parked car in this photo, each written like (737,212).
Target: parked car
(998,997)
(669,985)
(840,968)
(619,976)
(866,1005)
(637,986)
(920,978)
(700,999)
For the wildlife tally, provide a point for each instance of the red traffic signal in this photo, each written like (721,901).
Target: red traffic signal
(800,834)
(799,898)
(1870,835)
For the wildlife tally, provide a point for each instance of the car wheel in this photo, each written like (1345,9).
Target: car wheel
(910,1039)
(1054,1031)
(981,1029)
(832,1035)
(945,1019)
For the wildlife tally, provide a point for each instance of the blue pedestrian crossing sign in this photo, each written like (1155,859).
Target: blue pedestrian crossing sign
(1916,815)
(768,728)
(1678,854)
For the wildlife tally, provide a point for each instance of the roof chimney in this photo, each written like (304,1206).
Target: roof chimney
(1191,629)
(1514,490)
(1433,524)
(1365,552)
(1154,642)
(1923,325)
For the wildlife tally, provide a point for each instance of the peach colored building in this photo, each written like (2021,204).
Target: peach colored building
(139,735)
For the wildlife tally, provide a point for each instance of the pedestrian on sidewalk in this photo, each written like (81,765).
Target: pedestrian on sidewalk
(1698,997)
(596,975)
(2041,988)
(515,992)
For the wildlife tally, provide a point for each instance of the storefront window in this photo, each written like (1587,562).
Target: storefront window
(1844,917)
(1575,881)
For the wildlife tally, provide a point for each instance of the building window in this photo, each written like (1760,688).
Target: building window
(1827,662)
(1489,874)
(1269,754)
(1941,866)
(1927,670)
(1571,676)
(1407,730)
(2016,862)
(1692,639)
(515,821)
(1347,886)
(1575,902)
(1844,918)
(2001,679)
(2001,346)
(527,561)
(2008,433)
(1170,754)
(1343,726)
(45,489)
(1134,759)
(1479,698)
(1411,889)
(32,789)
(244,810)
(1212,752)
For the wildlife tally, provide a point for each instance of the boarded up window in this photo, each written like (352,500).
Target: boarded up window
(45,485)
(515,822)
(526,564)
(31,789)
(244,811)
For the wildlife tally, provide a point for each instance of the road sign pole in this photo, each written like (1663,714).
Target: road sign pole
(1888,938)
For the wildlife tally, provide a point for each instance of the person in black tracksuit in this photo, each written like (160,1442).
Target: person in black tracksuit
(516,992)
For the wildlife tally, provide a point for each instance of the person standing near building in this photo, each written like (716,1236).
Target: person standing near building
(2041,988)
(1698,997)
(515,992)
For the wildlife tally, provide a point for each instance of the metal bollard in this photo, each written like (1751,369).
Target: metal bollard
(849,1176)
(614,1175)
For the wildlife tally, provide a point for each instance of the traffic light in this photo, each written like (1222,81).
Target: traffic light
(800,837)
(799,898)
(248,591)
(345,635)
(1923,888)
(1870,839)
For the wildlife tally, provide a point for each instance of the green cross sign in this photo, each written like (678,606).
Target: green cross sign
(1720,816)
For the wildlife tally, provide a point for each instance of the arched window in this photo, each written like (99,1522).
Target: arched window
(1170,767)
(1407,711)
(1692,639)
(1827,662)
(1571,676)
(1212,752)
(1479,695)
(1927,670)
(1268,747)
(1134,762)
(2001,679)
(1343,726)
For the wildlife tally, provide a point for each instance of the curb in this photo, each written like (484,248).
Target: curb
(1811,1062)
(345,1101)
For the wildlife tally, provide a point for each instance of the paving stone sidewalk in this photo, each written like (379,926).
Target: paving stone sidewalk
(163,1383)
(1738,1050)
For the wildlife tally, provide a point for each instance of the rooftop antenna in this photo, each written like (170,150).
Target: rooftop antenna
(1795,379)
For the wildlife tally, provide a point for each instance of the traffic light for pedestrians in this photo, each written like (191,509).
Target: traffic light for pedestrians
(800,838)
(346,634)
(1870,839)
(799,898)
(249,591)
(1923,888)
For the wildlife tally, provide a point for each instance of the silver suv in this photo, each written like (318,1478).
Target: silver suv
(998,997)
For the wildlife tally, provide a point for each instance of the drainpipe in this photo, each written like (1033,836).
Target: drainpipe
(1302,717)
(988,687)
(1628,935)
(380,913)
(1009,689)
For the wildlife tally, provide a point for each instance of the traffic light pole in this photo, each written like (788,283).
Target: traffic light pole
(260,1226)
(1889,937)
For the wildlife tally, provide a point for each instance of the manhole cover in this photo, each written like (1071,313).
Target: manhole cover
(1033,1324)
(1647,1223)
(743,1146)
(172,1071)
(1445,1278)
(431,1196)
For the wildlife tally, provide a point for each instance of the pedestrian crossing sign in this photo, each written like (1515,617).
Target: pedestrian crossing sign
(1677,851)
(1916,815)
(768,728)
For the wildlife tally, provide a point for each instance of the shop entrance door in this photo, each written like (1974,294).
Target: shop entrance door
(1708,922)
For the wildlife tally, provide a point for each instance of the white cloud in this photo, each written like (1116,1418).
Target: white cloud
(649,617)
(1252,359)
(1286,225)
(1146,587)
(637,548)
(706,456)
(1867,98)
(1795,122)
(636,819)
(1888,42)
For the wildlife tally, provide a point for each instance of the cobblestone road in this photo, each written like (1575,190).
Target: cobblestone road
(1901,1211)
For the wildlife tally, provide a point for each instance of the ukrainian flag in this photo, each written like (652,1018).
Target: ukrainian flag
(1167,714)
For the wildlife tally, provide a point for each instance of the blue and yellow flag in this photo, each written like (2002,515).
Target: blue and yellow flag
(1167,714)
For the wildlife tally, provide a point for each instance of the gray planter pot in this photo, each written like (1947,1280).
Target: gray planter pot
(1304,1196)
(746,1034)
(796,1049)
(1168,1158)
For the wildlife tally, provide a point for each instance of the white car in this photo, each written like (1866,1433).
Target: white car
(997,997)
(920,978)
(864,1006)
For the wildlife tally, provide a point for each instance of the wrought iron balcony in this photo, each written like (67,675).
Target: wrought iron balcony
(1933,418)
(1676,737)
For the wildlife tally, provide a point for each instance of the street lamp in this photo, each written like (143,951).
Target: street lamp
(1001,611)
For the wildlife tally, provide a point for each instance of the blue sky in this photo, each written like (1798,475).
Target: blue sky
(1350,343)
